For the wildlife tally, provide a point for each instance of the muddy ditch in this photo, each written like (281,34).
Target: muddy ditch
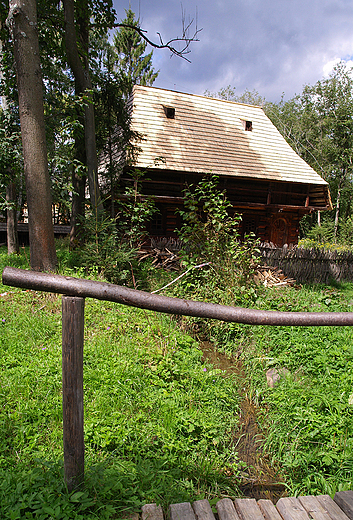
(260,478)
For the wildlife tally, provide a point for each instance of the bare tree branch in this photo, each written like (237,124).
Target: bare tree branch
(185,38)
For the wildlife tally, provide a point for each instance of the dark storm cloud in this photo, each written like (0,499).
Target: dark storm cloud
(273,46)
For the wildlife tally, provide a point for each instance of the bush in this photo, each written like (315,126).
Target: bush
(346,232)
(323,233)
(222,265)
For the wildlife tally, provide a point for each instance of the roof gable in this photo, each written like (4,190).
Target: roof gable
(208,135)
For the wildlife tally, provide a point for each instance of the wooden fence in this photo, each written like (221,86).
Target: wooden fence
(312,265)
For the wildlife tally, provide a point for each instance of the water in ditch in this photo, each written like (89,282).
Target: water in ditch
(260,478)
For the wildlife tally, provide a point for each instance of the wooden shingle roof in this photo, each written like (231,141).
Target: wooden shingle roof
(209,135)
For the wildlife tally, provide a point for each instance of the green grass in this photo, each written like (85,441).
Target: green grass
(158,420)
(309,414)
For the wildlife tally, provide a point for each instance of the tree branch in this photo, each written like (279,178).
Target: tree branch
(186,39)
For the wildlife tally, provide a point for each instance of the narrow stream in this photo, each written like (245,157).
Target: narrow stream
(260,479)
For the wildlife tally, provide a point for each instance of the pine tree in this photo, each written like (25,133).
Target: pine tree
(133,66)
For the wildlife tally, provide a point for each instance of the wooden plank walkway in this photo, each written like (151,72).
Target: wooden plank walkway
(321,507)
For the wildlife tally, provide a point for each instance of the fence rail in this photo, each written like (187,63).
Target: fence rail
(75,291)
(144,300)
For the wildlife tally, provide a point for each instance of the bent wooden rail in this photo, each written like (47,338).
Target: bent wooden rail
(75,290)
(154,302)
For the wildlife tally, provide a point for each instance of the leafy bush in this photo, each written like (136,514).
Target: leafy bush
(323,233)
(346,232)
(211,238)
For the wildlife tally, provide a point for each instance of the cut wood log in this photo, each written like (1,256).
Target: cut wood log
(291,509)
(345,501)
(331,507)
(268,510)
(152,512)
(248,509)
(226,510)
(314,508)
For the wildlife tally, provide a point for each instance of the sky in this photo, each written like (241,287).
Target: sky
(272,46)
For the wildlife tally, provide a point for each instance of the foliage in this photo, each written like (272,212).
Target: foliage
(132,65)
(135,210)
(113,129)
(250,97)
(158,419)
(346,232)
(318,124)
(11,162)
(110,244)
(211,237)
(323,233)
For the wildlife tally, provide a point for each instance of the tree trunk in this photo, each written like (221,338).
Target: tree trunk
(11,214)
(22,22)
(78,209)
(80,69)
(337,213)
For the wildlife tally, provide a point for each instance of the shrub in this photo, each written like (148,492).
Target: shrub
(110,245)
(211,238)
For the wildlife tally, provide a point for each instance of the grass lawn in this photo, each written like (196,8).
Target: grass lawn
(308,416)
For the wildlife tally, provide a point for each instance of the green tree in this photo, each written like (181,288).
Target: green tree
(11,164)
(133,66)
(228,93)
(67,33)
(319,125)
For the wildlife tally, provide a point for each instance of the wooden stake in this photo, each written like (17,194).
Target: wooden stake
(72,375)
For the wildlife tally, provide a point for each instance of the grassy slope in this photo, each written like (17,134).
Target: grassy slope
(158,420)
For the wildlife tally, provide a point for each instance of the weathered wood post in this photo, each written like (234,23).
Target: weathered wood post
(72,376)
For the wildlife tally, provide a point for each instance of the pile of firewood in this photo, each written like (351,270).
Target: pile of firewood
(163,258)
(165,255)
(272,277)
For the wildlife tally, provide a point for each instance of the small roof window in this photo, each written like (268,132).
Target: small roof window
(247,125)
(169,112)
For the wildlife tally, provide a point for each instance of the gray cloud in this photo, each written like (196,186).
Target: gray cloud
(273,46)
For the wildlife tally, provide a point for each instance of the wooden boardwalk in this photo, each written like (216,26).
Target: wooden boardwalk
(302,508)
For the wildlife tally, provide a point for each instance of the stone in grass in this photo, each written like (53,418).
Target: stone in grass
(274,375)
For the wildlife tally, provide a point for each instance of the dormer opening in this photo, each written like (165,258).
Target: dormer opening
(247,125)
(169,112)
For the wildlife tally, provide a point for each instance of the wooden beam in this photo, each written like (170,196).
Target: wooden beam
(72,377)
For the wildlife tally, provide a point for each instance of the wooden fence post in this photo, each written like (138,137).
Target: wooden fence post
(72,376)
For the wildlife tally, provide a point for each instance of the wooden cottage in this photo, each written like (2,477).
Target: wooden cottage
(187,136)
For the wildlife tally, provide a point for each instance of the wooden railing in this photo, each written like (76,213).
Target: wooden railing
(75,291)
